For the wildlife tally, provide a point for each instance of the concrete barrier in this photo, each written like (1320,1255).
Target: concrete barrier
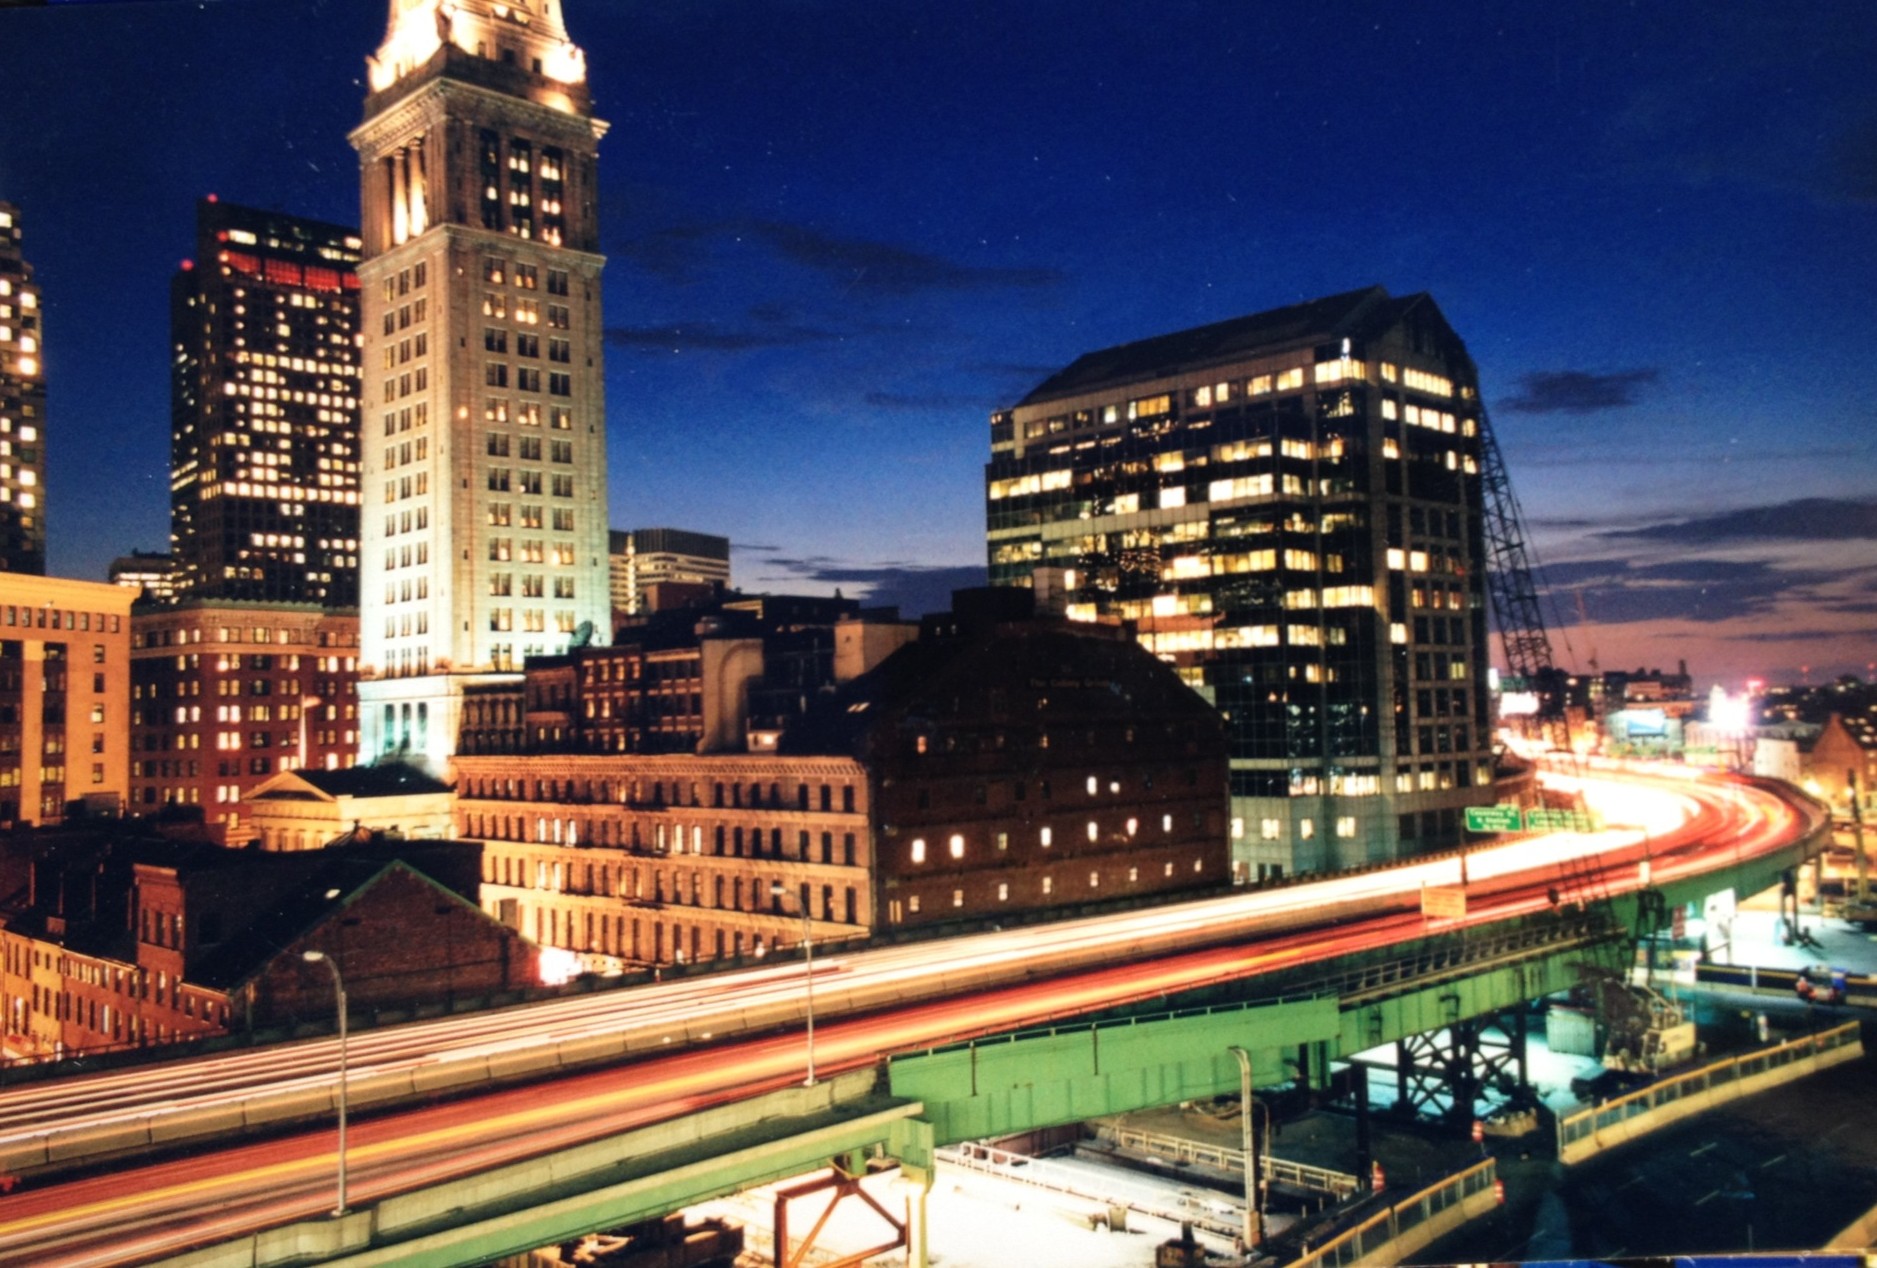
(1412,1224)
(1625,1118)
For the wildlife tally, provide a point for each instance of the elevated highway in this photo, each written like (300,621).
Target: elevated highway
(691,1094)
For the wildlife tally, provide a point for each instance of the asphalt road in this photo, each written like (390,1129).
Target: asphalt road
(1784,1170)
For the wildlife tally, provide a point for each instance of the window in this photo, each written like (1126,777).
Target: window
(560,350)
(494,339)
(563,486)
(918,849)
(495,374)
(527,345)
(956,846)
(528,379)
(558,384)
(557,281)
(527,277)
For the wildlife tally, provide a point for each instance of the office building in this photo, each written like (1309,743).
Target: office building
(485,435)
(654,568)
(226,695)
(1287,507)
(265,410)
(22,406)
(148,575)
(64,698)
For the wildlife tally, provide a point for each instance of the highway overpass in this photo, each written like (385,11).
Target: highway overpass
(930,1044)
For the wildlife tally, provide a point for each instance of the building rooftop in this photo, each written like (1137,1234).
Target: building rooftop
(1352,314)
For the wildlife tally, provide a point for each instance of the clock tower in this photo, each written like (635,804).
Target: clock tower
(483,484)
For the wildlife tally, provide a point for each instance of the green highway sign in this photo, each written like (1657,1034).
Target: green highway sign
(1492,818)
(1559,821)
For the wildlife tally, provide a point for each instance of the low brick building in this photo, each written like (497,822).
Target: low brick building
(117,942)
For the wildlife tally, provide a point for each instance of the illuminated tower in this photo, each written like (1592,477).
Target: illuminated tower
(264,410)
(22,408)
(485,528)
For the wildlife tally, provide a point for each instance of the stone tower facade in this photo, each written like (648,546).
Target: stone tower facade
(484,534)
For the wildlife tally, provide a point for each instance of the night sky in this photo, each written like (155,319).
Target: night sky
(841,232)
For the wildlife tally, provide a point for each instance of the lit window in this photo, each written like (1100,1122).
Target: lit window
(1048,837)
(957,846)
(918,849)
(1093,831)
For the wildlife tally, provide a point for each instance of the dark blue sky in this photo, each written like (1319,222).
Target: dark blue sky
(841,232)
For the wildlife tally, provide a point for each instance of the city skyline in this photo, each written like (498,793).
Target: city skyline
(839,236)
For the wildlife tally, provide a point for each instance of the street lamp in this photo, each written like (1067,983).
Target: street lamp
(1254,1179)
(338,987)
(776,891)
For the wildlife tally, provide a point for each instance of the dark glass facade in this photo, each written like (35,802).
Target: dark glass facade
(1287,508)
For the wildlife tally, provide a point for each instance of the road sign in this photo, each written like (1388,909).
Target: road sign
(1559,821)
(1492,818)
(1443,902)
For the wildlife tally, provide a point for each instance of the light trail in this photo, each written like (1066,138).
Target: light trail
(943,991)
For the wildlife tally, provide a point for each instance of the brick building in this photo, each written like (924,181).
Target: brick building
(111,942)
(1846,750)
(225,695)
(990,770)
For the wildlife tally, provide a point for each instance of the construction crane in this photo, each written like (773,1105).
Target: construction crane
(1513,593)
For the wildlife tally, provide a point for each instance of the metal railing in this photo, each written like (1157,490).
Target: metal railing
(1301,1175)
(1719,1074)
(1373,1236)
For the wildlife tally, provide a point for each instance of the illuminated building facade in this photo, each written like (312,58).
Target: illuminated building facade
(148,575)
(485,537)
(22,407)
(64,697)
(265,410)
(994,769)
(226,695)
(1287,507)
(653,567)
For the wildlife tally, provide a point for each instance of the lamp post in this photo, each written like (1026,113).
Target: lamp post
(776,891)
(1254,1180)
(338,987)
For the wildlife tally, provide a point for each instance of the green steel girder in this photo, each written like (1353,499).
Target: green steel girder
(992,1088)
(1011,1084)
(527,1205)
(1479,994)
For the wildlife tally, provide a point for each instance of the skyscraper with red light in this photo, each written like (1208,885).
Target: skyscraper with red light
(264,437)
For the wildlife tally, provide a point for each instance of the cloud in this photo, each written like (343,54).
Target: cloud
(710,336)
(1807,519)
(860,266)
(1578,391)
(914,589)
(883,268)
(1623,592)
